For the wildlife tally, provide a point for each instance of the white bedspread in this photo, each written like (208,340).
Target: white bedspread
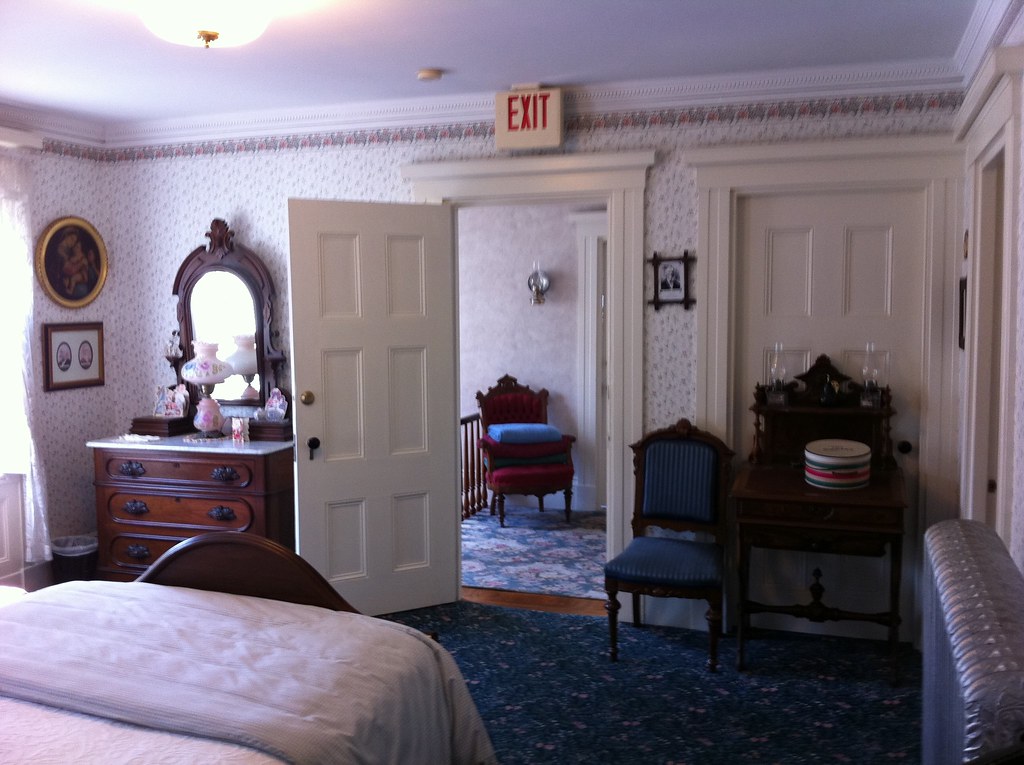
(300,683)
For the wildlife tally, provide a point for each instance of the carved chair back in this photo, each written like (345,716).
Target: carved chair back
(508,401)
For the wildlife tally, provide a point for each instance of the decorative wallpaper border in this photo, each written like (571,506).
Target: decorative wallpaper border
(719,115)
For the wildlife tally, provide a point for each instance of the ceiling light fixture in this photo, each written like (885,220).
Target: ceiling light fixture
(227,23)
(429,74)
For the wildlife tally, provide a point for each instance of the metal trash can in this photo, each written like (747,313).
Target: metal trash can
(74,557)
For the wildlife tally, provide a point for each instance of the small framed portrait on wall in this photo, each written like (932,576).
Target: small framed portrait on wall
(73,355)
(672,280)
(71,262)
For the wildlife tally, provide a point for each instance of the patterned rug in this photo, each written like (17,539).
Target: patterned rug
(548,694)
(535,552)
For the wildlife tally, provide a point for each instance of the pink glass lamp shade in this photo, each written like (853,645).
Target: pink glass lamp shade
(243,362)
(206,370)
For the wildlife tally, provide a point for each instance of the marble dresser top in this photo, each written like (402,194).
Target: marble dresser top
(183,444)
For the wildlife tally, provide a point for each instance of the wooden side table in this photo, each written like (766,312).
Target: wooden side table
(777,509)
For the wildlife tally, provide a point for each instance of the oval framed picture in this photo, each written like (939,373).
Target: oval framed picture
(71,262)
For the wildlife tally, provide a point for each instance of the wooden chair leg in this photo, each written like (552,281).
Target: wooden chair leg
(540,502)
(636,610)
(494,498)
(714,620)
(501,510)
(612,607)
(568,505)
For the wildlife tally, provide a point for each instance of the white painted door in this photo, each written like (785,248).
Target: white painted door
(824,273)
(373,346)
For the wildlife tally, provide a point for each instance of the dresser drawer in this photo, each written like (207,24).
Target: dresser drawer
(824,515)
(135,552)
(176,468)
(200,513)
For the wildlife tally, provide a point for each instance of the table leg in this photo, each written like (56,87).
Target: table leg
(895,573)
(743,618)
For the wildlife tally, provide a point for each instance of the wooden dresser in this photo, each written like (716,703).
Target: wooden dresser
(151,495)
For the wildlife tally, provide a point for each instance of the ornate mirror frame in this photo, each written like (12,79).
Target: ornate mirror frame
(223,254)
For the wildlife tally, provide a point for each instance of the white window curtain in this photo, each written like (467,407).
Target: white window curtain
(17,449)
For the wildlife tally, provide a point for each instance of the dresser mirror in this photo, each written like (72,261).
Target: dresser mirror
(225,290)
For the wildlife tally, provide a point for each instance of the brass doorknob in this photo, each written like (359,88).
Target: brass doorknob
(307,397)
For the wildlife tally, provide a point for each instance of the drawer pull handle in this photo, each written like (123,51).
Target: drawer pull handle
(221,513)
(138,552)
(224,474)
(136,507)
(132,469)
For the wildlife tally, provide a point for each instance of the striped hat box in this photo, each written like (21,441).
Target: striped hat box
(834,463)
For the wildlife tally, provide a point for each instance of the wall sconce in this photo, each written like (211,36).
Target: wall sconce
(206,370)
(539,283)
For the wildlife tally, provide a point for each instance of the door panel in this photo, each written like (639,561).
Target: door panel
(377,508)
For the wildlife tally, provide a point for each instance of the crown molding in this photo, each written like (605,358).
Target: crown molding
(795,84)
(394,114)
(52,125)
(999,63)
(904,78)
(986,29)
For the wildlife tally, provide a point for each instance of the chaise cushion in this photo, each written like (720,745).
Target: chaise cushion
(521,477)
(498,450)
(524,433)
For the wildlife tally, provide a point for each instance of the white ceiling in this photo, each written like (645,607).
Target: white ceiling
(90,68)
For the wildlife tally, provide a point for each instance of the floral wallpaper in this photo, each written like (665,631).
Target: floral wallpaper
(153,206)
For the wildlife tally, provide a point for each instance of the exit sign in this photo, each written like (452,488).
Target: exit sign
(528,119)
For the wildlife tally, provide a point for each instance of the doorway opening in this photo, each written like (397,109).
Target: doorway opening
(559,345)
(616,182)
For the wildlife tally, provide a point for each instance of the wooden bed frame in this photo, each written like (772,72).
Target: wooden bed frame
(244,564)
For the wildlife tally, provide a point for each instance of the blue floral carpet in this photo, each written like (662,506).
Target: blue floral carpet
(548,694)
(536,552)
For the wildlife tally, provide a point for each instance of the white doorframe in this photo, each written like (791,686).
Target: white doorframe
(930,164)
(991,133)
(591,229)
(617,181)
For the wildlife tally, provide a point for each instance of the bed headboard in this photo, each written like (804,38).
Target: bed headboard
(244,564)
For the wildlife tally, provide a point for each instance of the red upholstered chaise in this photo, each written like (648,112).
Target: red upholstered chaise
(523,454)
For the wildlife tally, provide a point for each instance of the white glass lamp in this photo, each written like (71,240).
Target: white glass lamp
(777,368)
(243,362)
(206,370)
(871,370)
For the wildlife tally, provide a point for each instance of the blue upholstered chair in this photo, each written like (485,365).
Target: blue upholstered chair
(679,527)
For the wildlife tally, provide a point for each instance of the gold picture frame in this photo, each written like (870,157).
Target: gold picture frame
(71,262)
